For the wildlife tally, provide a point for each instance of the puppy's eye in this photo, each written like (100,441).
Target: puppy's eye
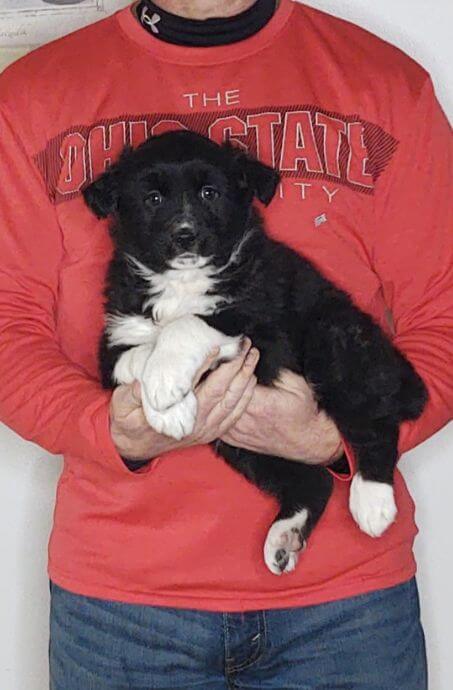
(154,198)
(209,193)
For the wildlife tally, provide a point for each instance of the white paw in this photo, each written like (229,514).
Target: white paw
(168,375)
(177,421)
(372,505)
(131,364)
(230,348)
(166,380)
(284,542)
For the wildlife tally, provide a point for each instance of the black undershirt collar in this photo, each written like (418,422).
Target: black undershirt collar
(208,32)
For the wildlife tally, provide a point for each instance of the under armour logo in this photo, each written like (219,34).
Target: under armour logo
(319,220)
(150,21)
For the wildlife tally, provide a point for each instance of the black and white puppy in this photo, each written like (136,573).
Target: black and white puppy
(194,269)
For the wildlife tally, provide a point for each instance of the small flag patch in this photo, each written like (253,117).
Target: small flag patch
(319,220)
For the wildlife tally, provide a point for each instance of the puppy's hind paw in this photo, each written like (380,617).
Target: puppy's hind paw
(372,505)
(285,541)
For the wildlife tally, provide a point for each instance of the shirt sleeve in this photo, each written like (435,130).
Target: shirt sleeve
(413,256)
(44,396)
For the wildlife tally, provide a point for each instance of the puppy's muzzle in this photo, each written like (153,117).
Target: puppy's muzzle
(185,241)
(184,237)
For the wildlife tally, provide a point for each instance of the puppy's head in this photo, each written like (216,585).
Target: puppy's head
(181,200)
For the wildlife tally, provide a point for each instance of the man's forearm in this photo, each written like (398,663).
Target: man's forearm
(284,420)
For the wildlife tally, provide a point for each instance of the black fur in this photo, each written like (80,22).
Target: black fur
(293,315)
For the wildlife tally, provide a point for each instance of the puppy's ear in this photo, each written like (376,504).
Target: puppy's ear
(260,179)
(102,195)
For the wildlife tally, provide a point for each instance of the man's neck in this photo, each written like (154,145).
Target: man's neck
(204,9)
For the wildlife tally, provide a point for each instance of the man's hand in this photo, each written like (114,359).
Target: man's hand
(284,420)
(131,434)
(222,398)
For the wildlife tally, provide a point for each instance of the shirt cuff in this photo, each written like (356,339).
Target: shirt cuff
(99,424)
(346,464)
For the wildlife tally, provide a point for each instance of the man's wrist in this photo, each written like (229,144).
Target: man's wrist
(125,447)
(337,454)
(321,441)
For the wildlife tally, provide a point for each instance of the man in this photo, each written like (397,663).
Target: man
(156,552)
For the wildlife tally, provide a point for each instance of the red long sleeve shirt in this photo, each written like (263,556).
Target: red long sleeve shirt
(365,155)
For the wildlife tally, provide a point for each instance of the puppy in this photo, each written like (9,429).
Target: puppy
(194,269)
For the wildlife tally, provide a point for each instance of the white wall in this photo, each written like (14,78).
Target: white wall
(28,475)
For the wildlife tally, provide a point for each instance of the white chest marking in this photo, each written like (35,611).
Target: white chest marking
(179,291)
(175,293)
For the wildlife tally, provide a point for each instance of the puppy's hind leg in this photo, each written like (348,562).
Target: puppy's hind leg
(302,492)
(371,498)
(357,379)
(301,506)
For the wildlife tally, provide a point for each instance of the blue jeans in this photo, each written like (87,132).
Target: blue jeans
(368,642)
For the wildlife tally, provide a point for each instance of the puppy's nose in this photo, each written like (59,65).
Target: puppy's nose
(185,239)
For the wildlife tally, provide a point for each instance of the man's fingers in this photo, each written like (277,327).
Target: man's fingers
(240,407)
(137,392)
(225,371)
(241,381)
(126,408)
(218,383)
(125,399)
(207,364)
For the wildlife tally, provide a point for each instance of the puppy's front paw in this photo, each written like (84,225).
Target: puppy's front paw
(230,348)
(131,364)
(167,381)
(177,421)
(285,541)
(372,505)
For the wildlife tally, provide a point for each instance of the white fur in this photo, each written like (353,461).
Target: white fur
(184,261)
(181,349)
(372,505)
(283,540)
(187,287)
(236,253)
(177,421)
(133,329)
(131,364)
(180,291)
